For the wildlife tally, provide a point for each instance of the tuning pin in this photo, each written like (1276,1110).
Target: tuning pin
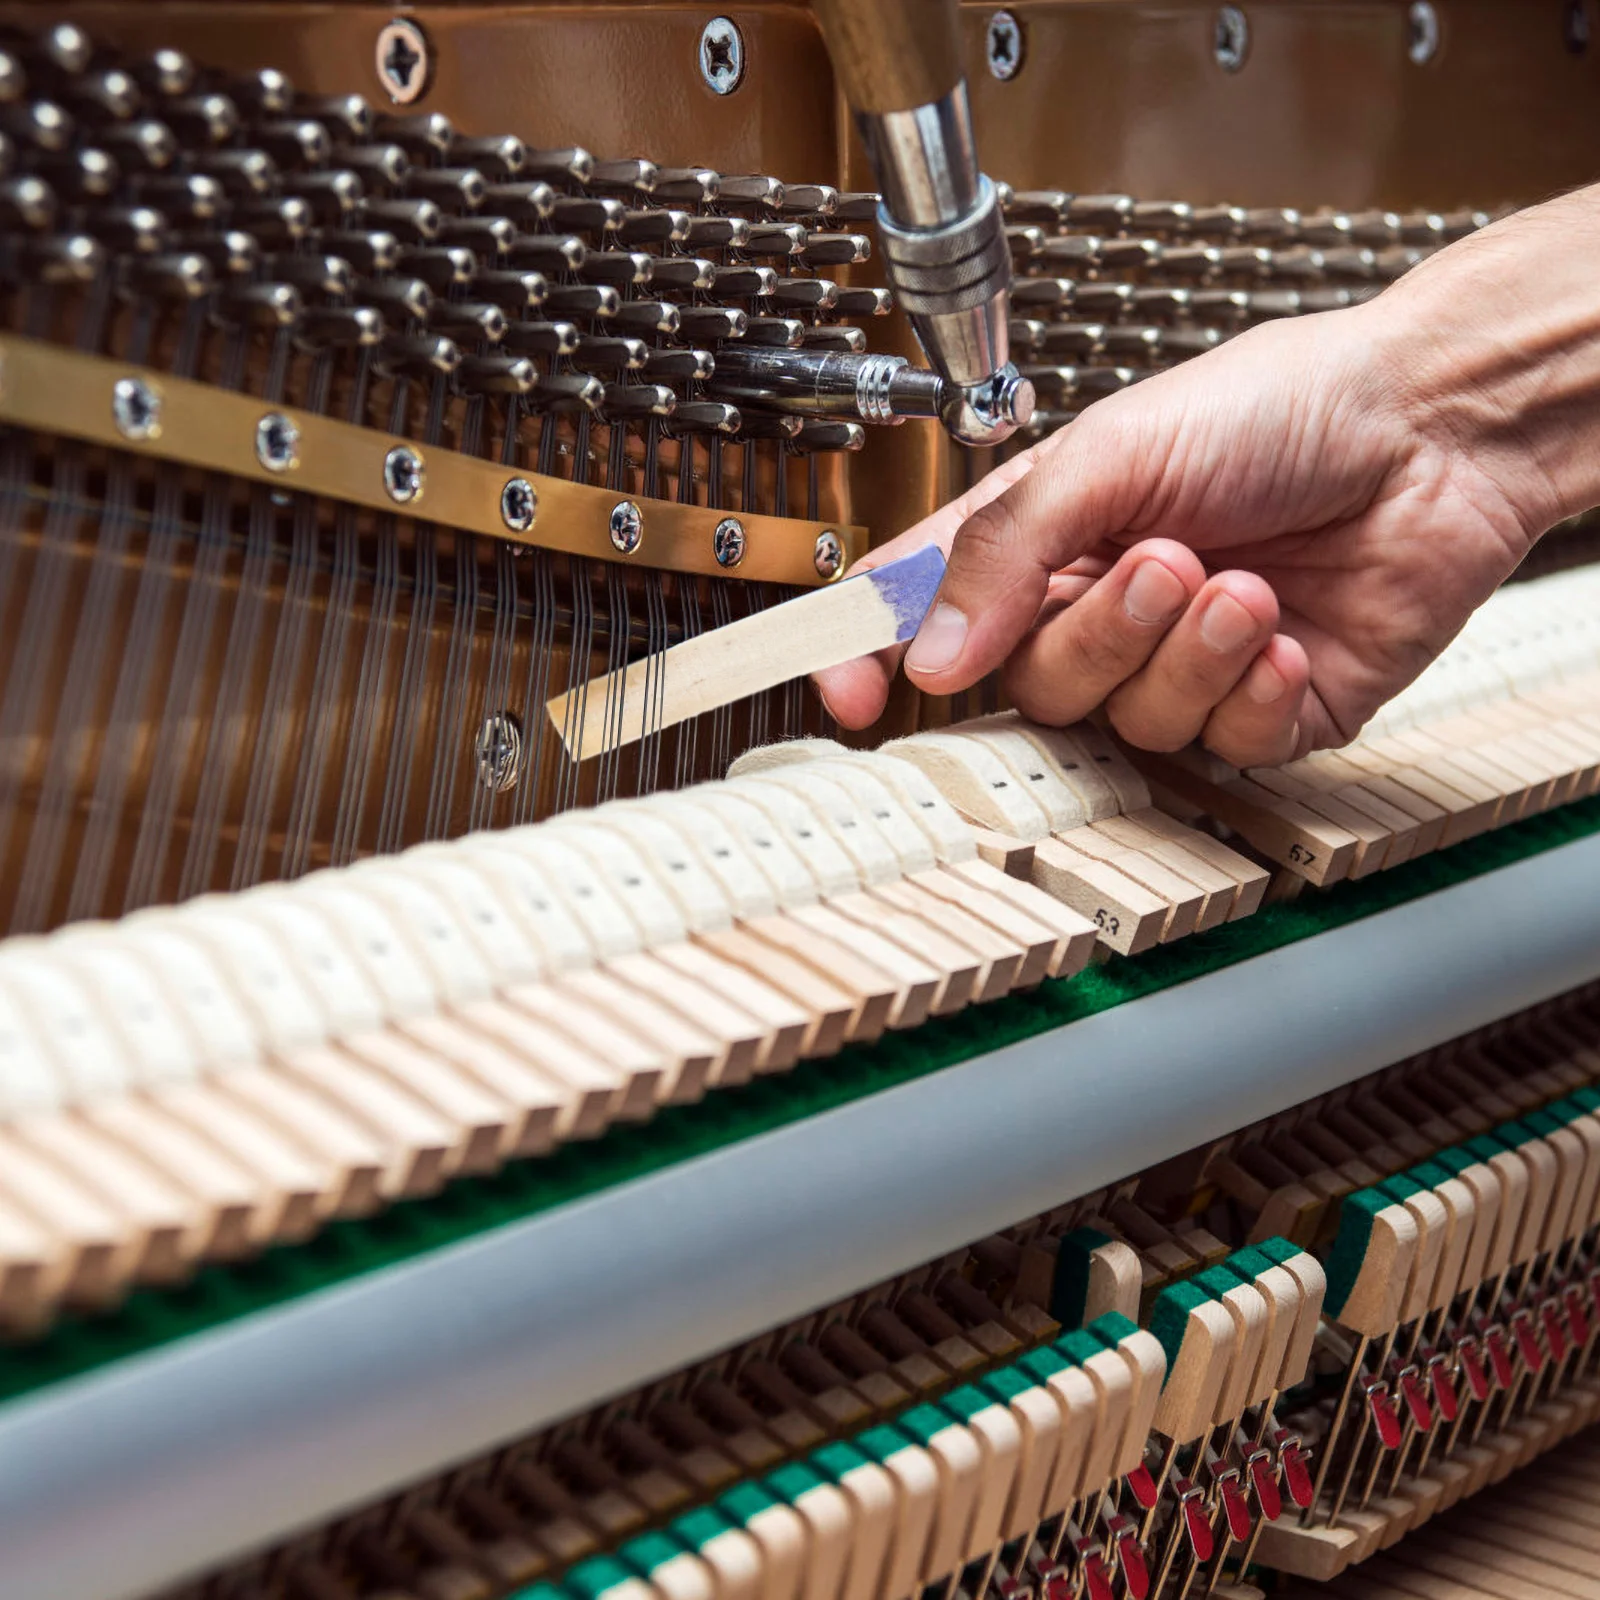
(414,220)
(400,299)
(635,176)
(64,50)
(466,320)
(367,250)
(516,293)
(752,193)
(567,391)
(503,156)
(572,165)
(191,197)
(694,186)
(65,259)
(318,277)
(27,202)
(549,253)
(166,74)
(680,365)
(621,268)
(634,401)
(492,237)
(781,333)
(232,254)
(294,142)
(717,233)
(266,93)
(243,173)
(40,125)
(258,305)
(704,416)
(452,188)
(418,356)
(542,338)
(706,324)
(582,300)
(339,327)
(108,95)
(442,268)
(346,116)
(601,353)
(496,375)
(171,276)
(426,134)
(334,196)
(286,220)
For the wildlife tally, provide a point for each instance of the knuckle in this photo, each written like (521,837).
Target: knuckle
(989,538)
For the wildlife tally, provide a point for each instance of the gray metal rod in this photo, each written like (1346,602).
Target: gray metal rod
(136,1476)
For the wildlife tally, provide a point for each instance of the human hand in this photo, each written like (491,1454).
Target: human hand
(1256,549)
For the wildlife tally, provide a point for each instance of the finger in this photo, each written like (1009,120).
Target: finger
(1207,651)
(855,692)
(1074,659)
(1079,492)
(1260,722)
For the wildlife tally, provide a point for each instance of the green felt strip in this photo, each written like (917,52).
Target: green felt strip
(1343,1265)
(1169,1317)
(1069,1288)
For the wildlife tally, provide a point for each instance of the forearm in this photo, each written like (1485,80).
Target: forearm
(1494,348)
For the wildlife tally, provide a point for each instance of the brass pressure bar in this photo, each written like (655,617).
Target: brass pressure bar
(149,413)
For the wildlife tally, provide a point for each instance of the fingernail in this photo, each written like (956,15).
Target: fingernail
(1154,594)
(1226,625)
(1265,683)
(939,640)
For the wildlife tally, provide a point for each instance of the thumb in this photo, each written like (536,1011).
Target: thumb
(1083,488)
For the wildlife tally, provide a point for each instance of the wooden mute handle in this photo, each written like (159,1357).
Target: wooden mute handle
(892,55)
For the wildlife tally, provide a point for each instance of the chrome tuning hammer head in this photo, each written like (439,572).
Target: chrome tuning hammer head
(940,220)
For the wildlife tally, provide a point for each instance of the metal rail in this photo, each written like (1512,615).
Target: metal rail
(134,1476)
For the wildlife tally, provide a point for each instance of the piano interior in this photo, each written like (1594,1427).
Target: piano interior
(972,1161)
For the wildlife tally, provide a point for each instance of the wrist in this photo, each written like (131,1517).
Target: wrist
(1491,352)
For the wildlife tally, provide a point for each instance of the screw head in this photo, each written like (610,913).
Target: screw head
(136,409)
(828,557)
(277,442)
(1002,45)
(627,527)
(498,749)
(519,505)
(403,474)
(721,55)
(1230,38)
(1575,26)
(1422,32)
(728,542)
(403,60)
